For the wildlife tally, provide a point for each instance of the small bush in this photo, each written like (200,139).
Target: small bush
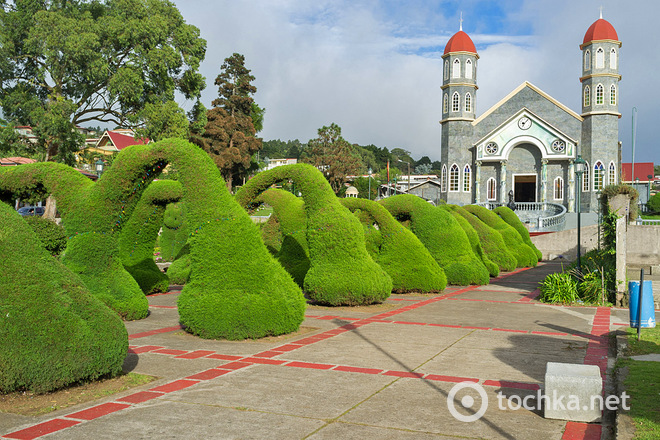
(51,235)
(513,220)
(493,269)
(559,288)
(654,203)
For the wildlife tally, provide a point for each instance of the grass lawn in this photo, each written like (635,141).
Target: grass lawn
(643,383)
(651,216)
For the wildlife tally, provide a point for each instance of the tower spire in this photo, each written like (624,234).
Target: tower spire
(601,12)
(461,21)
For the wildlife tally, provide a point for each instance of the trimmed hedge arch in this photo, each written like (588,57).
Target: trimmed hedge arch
(175,232)
(137,238)
(512,219)
(443,237)
(491,241)
(53,332)
(525,256)
(341,271)
(399,252)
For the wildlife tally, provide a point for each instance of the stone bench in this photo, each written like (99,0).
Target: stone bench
(573,392)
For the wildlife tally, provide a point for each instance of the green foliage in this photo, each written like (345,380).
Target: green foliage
(442,235)
(179,270)
(491,241)
(643,386)
(612,190)
(559,288)
(475,243)
(51,235)
(341,271)
(397,250)
(513,220)
(163,120)
(525,255)
(138,236)
(654,203)
(175,231)
(363,185)
(52,331)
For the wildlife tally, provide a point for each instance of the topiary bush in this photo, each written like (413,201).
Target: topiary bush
(179,270)
(525,256)
(175,231)
(341,271)
(442,236)
(272,234)
(137,238)
(491,241)
(398,250)
(513,220)
(473,237)
(53,332)
(51,235)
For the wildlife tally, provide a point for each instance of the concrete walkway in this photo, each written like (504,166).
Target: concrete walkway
(381,372)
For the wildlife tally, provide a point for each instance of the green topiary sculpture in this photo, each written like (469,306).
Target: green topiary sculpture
(53,332)
(51,235)
(512,219)
(400,252)
(341,271)
(175,232)
(443,237)
(138,236)
(525,256)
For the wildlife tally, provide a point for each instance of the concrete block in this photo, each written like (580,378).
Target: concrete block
(573,392)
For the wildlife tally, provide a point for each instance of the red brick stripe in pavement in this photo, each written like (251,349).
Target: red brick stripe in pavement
(41,429)
(530,296)
(581,431)
(140,397)
(154,332)
(98,411)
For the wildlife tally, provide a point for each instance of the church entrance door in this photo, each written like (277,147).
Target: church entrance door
(524,188)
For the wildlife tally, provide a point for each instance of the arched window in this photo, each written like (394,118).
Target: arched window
(445,104)
(443,179)
(587,60)
(612,174)
(613,59)
(559,188)
(453,178)
(587,96)
(446,69)
(585,178)
(599,94)
(613,94)
(600,58)
(468,102)
(599,174)
(455,102)
(468,69)
(467,181)
(491,189)
(456,69)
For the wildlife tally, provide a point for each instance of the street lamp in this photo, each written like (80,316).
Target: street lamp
(99,167)
(580,166)
(369,177)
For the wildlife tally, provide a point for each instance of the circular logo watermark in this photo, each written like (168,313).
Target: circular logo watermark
(467,402)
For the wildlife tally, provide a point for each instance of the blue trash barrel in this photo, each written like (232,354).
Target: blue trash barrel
(648,313)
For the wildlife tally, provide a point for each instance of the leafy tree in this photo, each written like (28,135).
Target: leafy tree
(402,155)
(229,135)
(257,115)
(382,155)
(425,160)
(163,120)
(423,169)
(333,156)
(367,157)
(65,63)
(362,184)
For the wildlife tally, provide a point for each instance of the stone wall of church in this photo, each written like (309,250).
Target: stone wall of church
(457,148)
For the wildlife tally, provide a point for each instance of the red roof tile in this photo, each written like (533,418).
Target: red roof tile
(121,141)
(600,30)
(460,42)
(642,171)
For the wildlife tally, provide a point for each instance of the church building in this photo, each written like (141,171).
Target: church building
(527,143)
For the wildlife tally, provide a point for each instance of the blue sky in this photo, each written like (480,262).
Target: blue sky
(374,67)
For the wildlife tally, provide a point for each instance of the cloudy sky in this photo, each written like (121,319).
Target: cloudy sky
(374,67)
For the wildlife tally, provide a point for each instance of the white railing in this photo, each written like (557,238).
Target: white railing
(490,205)
(542,223)
(646,222)
(554,220)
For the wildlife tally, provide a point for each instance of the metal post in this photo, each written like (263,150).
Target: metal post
(578,190)
(639,304)
(634,120)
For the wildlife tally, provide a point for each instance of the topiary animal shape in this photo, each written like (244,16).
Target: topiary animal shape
(341,271)
(525,256)
(400,253)
(53,332)
(442,236)
(175,232)
(513,220)
(137,238)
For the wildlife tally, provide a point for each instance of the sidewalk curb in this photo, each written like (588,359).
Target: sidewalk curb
(625,427)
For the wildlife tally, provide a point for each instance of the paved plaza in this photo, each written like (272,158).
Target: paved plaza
(381,372)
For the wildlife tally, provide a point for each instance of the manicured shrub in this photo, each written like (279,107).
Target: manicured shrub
(397,249)
(51,235)
(491,241)
(271,234)
(137,238)
(473,237)
(53,332)
(293,253)
(559,288)
(442,236)
(512,219)
(179,270)
(175,231)
(341,271)
(525,256)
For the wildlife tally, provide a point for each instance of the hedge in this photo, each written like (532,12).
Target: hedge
(293,253)
(341,271)
(473,237)
(51,235)
(53,332)
(137,238)
(443,237)
(513,220)
(399,251)
(175,232)
(491,241)
(179,270)
(271,234)
(525,256)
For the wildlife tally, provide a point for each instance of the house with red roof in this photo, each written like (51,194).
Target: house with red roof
(113,141)
(642,172)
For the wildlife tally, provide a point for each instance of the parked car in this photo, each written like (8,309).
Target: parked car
(31,210)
